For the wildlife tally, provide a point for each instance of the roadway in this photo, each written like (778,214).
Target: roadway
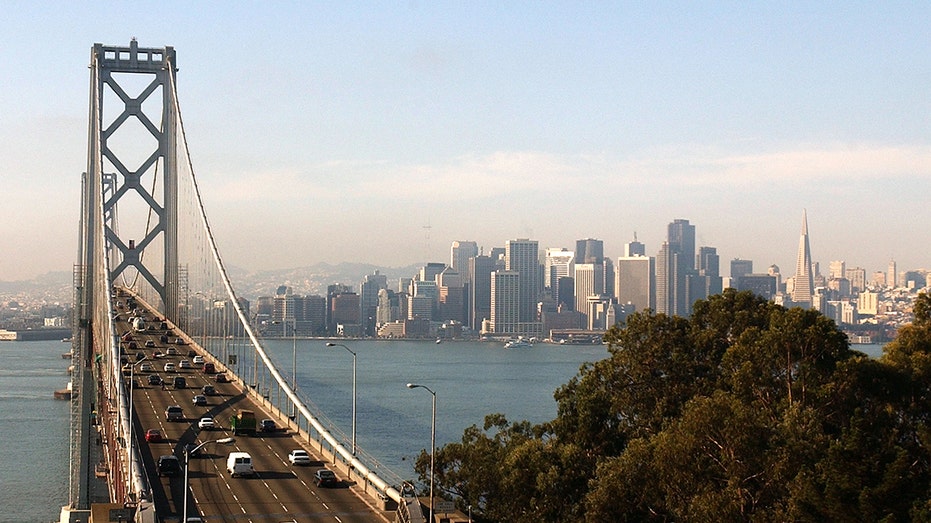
(277,492)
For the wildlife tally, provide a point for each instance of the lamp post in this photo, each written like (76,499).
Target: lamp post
(330,344)
(132,440)
(432,441)
(187,458)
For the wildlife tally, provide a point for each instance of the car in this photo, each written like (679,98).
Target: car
(150,344)
(206,423)
(208,390)
(163,338)
(221,378)
(146,367)
(198,360)
(180,382)
(179,341)
(200,400)
(153,435)
(169,465)
(133,383)
(174,413)
(184,364)
(169,367)
(171,351)
(140,356)
(155,379)
(268,425)
(325,478)
(191,353)
(209,368)
(299,457)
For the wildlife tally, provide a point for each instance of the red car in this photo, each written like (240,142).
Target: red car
(153,435)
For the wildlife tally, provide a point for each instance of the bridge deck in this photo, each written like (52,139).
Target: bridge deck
(277,492)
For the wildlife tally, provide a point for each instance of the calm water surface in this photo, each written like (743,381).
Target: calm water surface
(34,439)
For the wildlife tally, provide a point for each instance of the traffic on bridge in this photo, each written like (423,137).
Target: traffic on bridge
(185,407)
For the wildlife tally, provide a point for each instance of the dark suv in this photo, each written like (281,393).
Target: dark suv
(169,465)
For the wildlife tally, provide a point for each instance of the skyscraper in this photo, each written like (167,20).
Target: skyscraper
(891,280)
(522,257)
(557,264)
(459,254)
(804,280)
(589,282)
(674,264)
(634,282)
(480,270)
(589,250)
(634,248)
(740,268)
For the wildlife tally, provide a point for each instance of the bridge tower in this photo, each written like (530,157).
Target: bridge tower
(128,236)
(132,142)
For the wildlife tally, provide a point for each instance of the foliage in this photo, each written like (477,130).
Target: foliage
(746,411)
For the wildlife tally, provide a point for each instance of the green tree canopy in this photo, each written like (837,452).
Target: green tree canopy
(746,411)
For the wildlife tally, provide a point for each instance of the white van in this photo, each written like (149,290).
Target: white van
(239,464)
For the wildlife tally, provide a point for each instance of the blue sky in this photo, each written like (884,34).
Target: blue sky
(340,131)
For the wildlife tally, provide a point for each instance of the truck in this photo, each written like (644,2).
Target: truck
(243,422)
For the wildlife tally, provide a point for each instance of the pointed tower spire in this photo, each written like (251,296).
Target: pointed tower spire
(804,279)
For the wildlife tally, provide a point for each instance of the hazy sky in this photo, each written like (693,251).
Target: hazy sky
(380,132)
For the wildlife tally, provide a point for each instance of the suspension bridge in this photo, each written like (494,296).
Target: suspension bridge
(149,281)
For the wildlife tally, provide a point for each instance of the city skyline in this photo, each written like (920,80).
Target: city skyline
(379,134)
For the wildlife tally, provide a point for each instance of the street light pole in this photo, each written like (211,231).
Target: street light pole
(432,441)
(330,344)
(187,459)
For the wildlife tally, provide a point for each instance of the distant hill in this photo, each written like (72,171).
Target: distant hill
(312,279)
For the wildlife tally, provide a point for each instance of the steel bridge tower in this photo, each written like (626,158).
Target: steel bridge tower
(139,148)
(133,137)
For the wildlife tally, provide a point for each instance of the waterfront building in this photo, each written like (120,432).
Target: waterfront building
(345,314)
(505,302)
(634,282)
(803,282)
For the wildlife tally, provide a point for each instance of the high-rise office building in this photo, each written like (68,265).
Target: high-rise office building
(505,302)
(675,264)
(891,276)
(740,268)
(607,289)
(803,288)
(857,277)
(634,283)
(589,250)
(557,264)
(459,254)
(480,269)
(634,248)
(589,282)
(681,238)
(369,288)
(837,269)
(522,256)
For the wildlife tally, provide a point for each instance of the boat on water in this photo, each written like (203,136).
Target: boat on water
(64,394)
(518,344)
